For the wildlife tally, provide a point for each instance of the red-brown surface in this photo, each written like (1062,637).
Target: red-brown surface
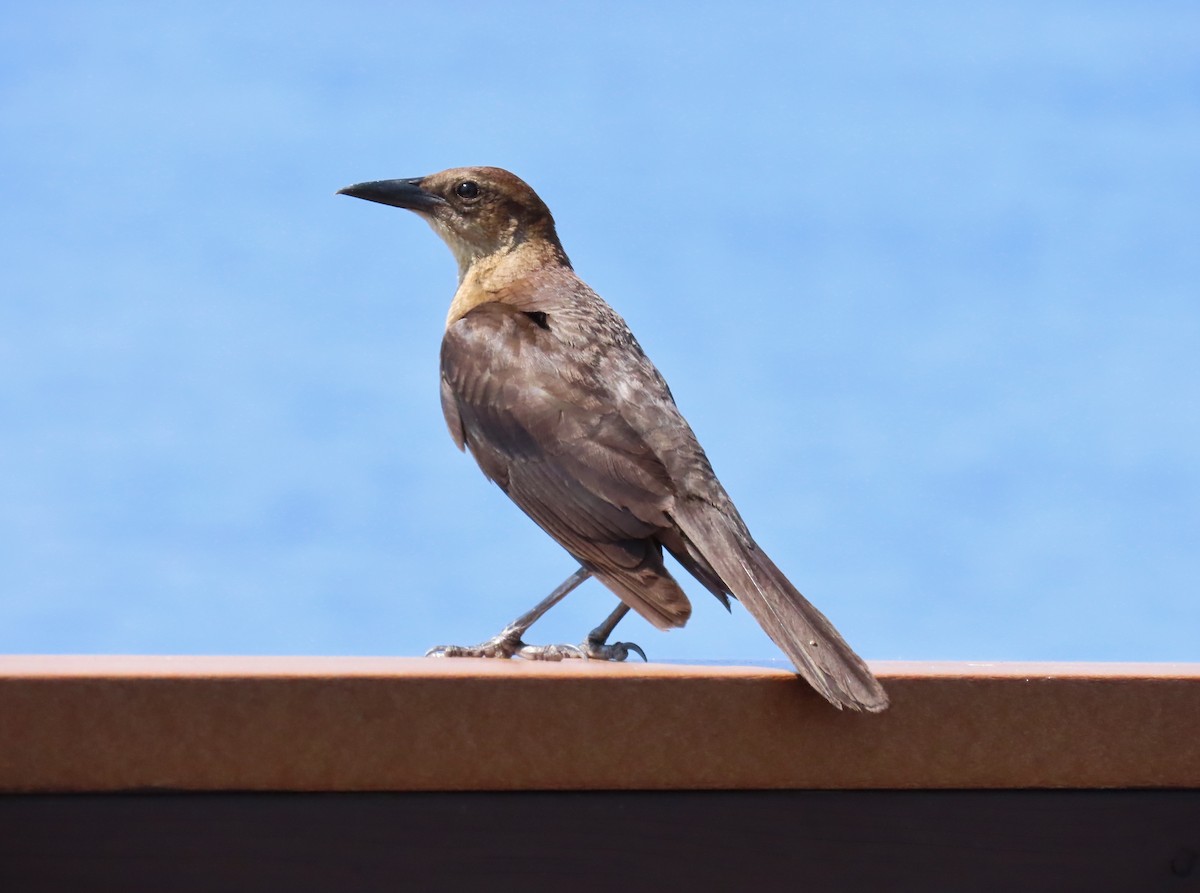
(101,723)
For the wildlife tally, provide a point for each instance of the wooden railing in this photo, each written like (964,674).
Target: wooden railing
(208,773)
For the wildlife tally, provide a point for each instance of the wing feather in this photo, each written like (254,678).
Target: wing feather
(545,428)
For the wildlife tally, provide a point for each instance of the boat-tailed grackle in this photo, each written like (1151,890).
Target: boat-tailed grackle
(549,390)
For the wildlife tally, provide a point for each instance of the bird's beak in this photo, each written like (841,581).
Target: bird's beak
(397,193)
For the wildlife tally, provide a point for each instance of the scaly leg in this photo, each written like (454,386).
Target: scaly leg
(508,642)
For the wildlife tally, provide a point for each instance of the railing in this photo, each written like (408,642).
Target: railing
(979,777)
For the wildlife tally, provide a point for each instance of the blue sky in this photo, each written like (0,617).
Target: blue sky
(925,281)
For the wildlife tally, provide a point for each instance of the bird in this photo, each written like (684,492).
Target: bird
(544,384)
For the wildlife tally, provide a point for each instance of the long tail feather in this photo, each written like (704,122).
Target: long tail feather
(819,652)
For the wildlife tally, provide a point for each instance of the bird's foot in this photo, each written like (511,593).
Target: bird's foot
(594,649)
(588,649)
(508,644)
(597,647)
(551,652)
(490,648)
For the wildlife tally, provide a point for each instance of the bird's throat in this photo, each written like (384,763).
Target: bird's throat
(489,278)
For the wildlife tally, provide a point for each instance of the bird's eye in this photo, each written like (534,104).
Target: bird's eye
(467,189)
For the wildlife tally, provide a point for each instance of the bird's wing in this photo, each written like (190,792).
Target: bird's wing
(546,428)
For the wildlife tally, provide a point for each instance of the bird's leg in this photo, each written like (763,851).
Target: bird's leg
(507,642)
(594,647)
(596,644)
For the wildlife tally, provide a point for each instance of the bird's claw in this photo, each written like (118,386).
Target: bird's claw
(587,650)
(490,648)
(504,646)
(551,652)
(615,651)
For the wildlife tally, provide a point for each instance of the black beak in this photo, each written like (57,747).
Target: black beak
(397,193)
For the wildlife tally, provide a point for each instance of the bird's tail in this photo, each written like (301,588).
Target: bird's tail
(806,636)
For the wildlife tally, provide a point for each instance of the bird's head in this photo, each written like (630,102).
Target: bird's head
(480,212)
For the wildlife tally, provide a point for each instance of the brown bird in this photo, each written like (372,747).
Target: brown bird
(549,390)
